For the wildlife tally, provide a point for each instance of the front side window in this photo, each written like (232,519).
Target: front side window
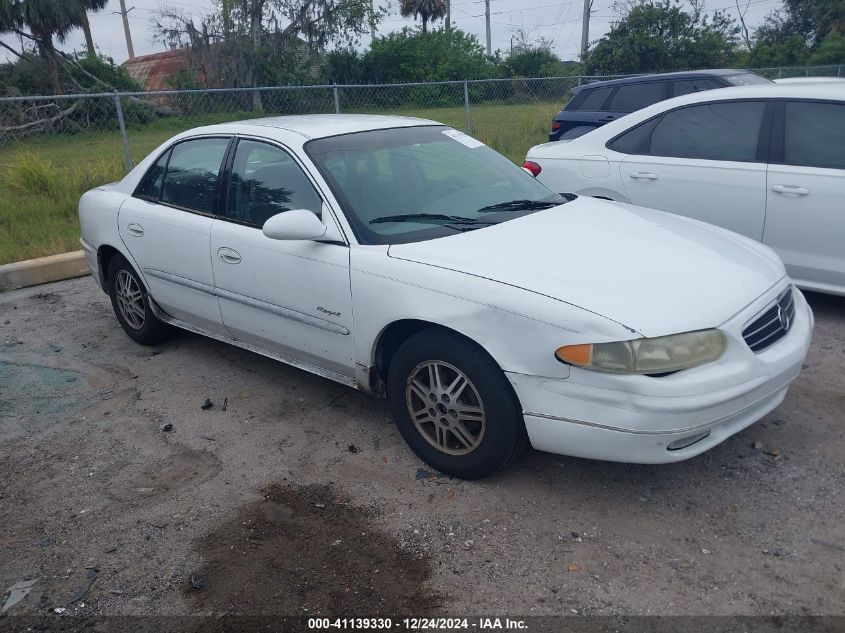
(815,134)
(266,181)
(713,131)
(636,96)
(190,180)
(415,183)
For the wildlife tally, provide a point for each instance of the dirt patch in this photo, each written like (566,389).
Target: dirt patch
(306,551)
(163,476)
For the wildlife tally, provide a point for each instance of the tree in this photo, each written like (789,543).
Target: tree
(531,57)
(90,5)
(658,35)
(260,42)
(424,10)
(45,20)
(441,55)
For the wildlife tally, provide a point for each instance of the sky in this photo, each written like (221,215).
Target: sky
(559,22)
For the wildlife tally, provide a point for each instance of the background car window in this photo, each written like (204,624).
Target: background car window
(191,178)
(150,185)
(712,131)
(636,140)
(266,181)
(595,99)
(636,96)
(815,134)
(688,86)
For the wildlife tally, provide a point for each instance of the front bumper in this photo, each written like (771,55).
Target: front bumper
(636,419)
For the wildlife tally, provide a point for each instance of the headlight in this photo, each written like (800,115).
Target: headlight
(647,355)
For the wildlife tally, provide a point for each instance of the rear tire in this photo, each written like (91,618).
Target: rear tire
(454,406)
(131,303)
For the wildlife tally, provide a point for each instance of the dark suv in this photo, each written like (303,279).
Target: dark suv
(601,102)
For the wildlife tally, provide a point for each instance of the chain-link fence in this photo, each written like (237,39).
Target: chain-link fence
(508,114)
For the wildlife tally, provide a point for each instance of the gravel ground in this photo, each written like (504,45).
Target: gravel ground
(294,495)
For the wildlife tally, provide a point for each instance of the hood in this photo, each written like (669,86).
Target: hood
(653,272)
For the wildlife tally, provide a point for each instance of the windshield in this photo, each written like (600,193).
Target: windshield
(746,79)
(417,183)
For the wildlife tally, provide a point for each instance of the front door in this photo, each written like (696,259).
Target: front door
(290,297)
(166,226)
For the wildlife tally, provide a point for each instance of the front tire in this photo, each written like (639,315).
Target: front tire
(131,304)
(454,406)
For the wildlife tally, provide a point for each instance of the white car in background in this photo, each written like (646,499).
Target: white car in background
(408,260)
(809,80)
(765,161)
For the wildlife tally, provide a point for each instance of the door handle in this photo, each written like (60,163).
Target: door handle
(135,229)
(643,175)
(228,255)
(791,190)
(607,119)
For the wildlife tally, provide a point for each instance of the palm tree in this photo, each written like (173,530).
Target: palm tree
(89,5)
(424,10)
(46,19)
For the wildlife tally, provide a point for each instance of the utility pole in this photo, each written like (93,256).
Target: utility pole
(448,14)
(585,30)
(124,12)
(372,21)
(487,20)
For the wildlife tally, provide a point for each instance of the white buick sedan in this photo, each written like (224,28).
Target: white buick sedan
(766,161)
(410,261)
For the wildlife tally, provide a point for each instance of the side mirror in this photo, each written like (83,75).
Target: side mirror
(296,224)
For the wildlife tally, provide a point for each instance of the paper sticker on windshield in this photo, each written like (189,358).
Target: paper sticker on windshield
(463,139)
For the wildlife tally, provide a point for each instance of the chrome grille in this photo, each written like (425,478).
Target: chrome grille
(773,324)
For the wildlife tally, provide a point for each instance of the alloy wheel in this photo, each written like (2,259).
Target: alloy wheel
(130,299)
(445,407)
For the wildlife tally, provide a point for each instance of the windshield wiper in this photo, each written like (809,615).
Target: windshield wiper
(518,205)
(433,218)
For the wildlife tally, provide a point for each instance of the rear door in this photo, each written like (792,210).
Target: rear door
(805,211)
(166,226)
(703,161)
(632,97)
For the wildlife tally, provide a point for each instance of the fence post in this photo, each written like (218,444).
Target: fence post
(466,107)
(838,71)
(780,73)
(336,100)
(127,154)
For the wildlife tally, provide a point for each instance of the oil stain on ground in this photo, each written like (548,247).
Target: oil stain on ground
(304,551)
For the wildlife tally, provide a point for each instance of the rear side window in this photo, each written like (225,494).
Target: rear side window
(637,96)
(711,131)
(636,140)
(150,185)
(815,134)
(595,99)
(688,86)
(191,177)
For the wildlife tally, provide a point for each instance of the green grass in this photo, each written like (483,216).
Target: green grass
(41,180)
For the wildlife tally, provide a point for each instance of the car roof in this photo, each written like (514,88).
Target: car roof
(686,74)
(313,126)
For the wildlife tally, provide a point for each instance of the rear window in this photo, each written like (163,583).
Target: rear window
(594,99)
(745,79)
(636,96)
(688,86)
